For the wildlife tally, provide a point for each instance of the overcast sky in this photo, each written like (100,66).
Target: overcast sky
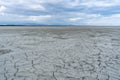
(60,12)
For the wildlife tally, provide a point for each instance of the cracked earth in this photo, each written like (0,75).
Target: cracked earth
(59,53)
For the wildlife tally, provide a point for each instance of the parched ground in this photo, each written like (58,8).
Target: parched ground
(59,53)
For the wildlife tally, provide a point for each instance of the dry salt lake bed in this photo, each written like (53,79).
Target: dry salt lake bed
(59,53)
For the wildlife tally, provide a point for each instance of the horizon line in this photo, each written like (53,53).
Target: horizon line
(68,25)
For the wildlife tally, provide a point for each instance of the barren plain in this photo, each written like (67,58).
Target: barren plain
(59,53)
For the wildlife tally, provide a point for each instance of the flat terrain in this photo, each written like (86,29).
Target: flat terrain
(63,53)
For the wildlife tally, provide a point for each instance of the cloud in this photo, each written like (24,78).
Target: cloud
(101,3)
(61,12)
(96,19)
(39,18)
(2,9)
(36,7)
(75,19)
(105,20)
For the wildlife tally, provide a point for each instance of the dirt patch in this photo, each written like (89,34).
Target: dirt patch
(5,51)
(60,37)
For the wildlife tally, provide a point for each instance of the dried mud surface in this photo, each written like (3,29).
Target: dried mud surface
(59,53)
